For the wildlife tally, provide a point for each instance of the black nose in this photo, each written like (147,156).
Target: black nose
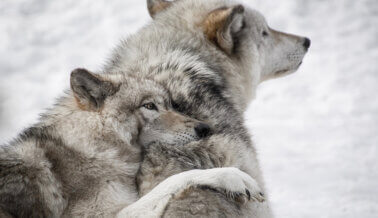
(202,130)
(307,43)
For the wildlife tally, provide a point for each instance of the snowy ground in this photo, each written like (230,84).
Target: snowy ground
(316,131)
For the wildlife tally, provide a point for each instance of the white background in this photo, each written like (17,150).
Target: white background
(316,131)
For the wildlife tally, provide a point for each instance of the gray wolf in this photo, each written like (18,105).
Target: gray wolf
(211,55)
(81,159)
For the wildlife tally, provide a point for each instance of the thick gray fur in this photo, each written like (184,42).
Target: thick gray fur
(82,158)
(212,76)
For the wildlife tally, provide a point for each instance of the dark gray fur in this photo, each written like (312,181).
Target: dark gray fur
(19,193)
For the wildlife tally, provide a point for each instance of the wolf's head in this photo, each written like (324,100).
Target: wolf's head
(255,50)
(134,109)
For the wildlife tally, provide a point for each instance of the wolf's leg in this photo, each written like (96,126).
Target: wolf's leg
(27,187)
(4,214)
(162,161)
(19,195)
(232,180)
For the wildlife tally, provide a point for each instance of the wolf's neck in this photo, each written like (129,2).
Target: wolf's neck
(80,130)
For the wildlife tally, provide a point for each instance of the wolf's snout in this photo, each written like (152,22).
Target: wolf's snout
(307,43)
(202,130)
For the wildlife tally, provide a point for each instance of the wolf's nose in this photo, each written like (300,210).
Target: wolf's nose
(202,130)
(307,43)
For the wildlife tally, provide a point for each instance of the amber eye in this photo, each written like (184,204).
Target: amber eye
(150,106)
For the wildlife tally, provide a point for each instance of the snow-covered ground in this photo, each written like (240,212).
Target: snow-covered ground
(316,131)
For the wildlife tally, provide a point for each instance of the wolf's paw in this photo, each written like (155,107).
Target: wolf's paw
(236,184)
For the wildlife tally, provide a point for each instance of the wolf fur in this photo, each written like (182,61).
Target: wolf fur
(210,55)
(81,159)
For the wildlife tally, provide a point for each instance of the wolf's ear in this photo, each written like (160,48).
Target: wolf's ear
(156,6)
(90,90)
(222,27)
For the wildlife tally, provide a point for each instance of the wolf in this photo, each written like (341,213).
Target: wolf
(81,158)
(211,55)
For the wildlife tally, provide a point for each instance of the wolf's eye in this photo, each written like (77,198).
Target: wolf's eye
(150,106)
(265,33)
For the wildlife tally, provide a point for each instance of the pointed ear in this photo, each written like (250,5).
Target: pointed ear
(156,6)
(222,27)
(90,90)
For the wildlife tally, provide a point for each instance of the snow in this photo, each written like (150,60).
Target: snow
(316,131)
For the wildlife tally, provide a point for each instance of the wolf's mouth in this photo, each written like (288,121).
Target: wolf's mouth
(287,70)
(281,72)
(185,138)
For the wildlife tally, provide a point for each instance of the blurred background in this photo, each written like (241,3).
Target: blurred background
(316,131)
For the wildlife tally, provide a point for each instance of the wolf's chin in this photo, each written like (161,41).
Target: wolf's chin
(281,72)
(288,71)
